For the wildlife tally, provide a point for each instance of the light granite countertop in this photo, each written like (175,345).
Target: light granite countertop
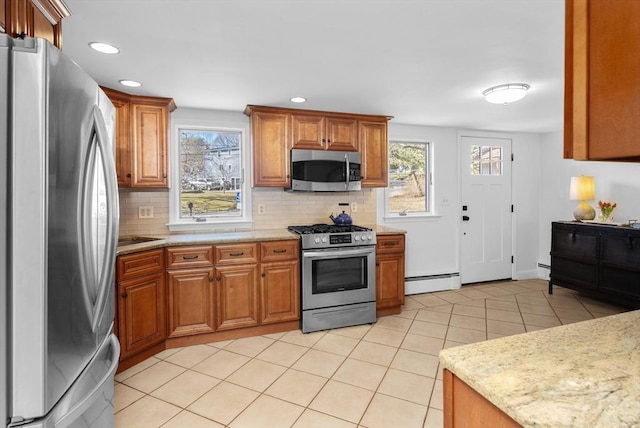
(585,374)
(175,240)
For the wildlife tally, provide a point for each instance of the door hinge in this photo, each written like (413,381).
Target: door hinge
(511,259)
(511,157)
(511,207)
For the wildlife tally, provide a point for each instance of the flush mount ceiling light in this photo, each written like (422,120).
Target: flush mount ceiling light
(130,83)
(507,93)
(105,48)
(298,100)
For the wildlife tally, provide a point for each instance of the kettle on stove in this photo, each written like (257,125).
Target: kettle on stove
(342,219)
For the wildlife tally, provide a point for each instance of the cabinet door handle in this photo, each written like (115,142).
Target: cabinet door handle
(124,295)
(241,253)
(280,250)
(164,175)
(191,257)
(218,279)
(389,244)
(211,279)
(573,236)
(630,242)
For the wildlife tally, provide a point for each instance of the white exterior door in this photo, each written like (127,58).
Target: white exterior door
(485,244)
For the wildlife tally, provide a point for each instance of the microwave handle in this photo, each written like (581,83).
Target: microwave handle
(346,158)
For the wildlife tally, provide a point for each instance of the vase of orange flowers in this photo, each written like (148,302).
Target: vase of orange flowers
(606,211)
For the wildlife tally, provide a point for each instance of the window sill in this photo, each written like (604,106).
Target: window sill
(411,218)
(192,225)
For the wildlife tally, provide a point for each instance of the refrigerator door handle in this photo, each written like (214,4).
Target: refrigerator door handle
(96,266)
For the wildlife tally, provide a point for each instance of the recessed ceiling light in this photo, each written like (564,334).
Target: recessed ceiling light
(104,48)
(298,100)
(507,93)
(130,83)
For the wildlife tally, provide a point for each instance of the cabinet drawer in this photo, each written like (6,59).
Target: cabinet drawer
(192,256)
(622,250)
(390,243)
(236,253)
(139,264)
(574,243)
(273,251)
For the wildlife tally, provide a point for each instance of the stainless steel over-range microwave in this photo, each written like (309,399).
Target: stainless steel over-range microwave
(325,171)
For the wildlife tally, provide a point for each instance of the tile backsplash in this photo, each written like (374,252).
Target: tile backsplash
(280,209)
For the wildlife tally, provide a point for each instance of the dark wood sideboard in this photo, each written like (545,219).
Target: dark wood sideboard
(599,260)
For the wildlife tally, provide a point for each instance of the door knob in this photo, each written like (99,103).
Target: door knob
(465,218)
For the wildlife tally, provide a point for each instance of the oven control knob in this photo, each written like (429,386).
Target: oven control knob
(370,237)
(357,237)
(316,240)
(324,239)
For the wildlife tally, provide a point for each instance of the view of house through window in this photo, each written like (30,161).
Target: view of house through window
(210,173)
(408,178)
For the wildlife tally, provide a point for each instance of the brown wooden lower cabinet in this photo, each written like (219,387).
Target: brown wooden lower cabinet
(279,292)
(389,274)
(191,301)
(237,296)
(464,407)
(141,313)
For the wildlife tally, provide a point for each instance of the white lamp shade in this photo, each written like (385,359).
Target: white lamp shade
(582,188)
(504,94)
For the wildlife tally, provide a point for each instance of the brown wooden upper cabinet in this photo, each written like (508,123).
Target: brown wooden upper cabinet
(142,135)
(602,80)
(322,132)
(275,131)
(34,18)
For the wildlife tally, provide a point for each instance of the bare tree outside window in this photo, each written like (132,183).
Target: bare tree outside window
(408,177)
(210,173)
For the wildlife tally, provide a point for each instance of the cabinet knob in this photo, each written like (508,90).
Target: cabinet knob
(128,175)
(124,295)
(218,279)
(263,275)
(211,279)
(164,175)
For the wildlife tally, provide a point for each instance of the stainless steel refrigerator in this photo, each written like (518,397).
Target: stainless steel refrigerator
(58,237)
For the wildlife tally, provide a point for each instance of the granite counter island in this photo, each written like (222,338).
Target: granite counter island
(585,374)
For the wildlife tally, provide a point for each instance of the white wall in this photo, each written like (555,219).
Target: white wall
(615,182)
(433,244)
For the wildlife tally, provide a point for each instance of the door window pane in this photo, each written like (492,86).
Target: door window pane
(486,160)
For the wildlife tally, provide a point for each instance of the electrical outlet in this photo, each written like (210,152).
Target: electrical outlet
(261,209)
(445,201)
(354,207)
(145,212)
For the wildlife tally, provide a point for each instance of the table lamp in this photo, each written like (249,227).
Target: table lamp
(582,189)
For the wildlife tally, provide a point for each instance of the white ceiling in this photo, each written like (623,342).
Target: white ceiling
(424,62)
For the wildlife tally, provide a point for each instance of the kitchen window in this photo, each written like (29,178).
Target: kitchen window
(409,190)
(208,188)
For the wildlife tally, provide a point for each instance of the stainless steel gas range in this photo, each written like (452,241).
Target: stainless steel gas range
(338,276)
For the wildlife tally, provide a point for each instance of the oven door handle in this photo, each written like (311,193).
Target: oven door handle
(338,253)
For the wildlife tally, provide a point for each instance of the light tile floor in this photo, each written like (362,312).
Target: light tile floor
(381,375)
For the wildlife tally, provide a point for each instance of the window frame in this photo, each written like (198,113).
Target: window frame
(429,184)
(244,220)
